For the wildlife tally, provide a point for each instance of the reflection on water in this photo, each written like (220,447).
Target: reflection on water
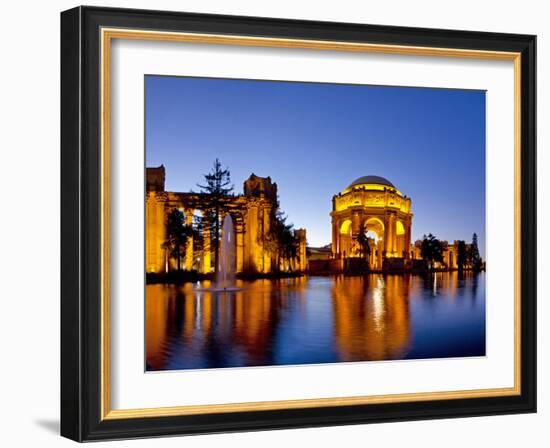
(316,320)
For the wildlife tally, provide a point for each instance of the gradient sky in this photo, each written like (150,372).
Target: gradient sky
(314,139)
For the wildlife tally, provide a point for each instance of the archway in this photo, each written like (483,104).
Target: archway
(375,230)
(345,237)
(202,253)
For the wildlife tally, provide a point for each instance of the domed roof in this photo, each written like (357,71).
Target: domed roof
(377,180)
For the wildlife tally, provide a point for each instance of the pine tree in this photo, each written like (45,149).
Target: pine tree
(177,233)
(282,240)
(474,254)
(218,192)
(462,255)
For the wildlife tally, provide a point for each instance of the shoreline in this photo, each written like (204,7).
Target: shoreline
(193,276)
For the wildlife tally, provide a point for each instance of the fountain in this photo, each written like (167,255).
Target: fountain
(225,277)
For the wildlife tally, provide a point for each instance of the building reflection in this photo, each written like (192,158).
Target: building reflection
(156,324)
(451,285)
(371,316)
(312,320)
(225,328)
(255,318)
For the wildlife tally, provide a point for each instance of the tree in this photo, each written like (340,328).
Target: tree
(282,239)
(177,233)
(461,255)
(431,250)
(288,243)
(364,241)
(271,239)
(474,254)
(217,191)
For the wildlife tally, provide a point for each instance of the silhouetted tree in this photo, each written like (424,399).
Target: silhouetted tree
(177,233)
(282,239)
(217,191)
(198,233)
(474,254)
(289,247)
(271,238)
(431,250)
(462,255)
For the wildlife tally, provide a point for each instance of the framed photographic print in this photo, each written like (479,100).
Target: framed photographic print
(273,223)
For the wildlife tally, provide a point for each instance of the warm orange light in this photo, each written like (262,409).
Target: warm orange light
(400,229)
(344,228)
(373,199)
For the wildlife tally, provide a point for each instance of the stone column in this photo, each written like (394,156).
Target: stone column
(155,231)
(252,258)
(387,234)
(239,242)
(206,267)
(266,227)
(407,242)
(189,245)
(390,242)
(303,252)
(393,241)
(356,219)
(302,249)
(335,231)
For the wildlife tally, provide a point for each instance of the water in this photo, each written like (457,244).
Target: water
(312,320)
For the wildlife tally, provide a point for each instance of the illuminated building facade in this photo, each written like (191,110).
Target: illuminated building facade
(450,254)
(252,213)
(374,204)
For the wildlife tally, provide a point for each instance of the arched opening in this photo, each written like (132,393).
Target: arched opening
(373,235)
(400,228)
(345,237)
(177,255)
(202,244)
(345,227)
(375,231)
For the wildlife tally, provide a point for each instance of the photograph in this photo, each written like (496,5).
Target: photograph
(293,223)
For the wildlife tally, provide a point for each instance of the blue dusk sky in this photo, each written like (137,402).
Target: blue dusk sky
(314,139)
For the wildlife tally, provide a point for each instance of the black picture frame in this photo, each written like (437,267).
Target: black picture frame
(81,224)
